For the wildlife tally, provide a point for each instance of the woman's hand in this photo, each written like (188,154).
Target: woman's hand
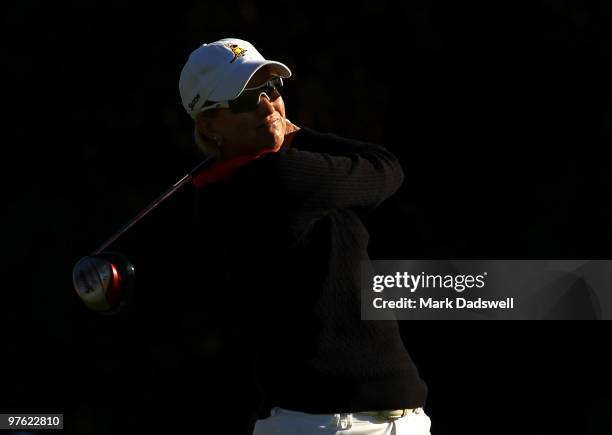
(290,130)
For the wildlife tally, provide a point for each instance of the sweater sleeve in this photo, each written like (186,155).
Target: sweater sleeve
(324,172)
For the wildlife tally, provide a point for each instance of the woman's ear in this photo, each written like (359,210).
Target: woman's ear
(205,126)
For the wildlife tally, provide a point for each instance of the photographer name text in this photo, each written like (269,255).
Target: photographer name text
(443,304)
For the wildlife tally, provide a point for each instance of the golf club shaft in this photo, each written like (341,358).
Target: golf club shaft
(186,179)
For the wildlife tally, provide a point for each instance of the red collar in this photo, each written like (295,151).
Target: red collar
(223,169)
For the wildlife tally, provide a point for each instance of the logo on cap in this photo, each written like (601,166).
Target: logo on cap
(194,101)
(238,52)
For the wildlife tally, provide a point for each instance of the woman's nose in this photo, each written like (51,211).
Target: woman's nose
(265,106)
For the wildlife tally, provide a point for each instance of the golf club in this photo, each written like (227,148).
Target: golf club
(105,280)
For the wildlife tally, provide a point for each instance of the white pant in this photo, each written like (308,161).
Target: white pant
(286,422)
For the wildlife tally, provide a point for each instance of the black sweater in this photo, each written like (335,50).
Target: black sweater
(287,228)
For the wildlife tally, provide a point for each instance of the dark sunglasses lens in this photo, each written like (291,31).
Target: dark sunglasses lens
(244,103)
(276,82)
(248,100)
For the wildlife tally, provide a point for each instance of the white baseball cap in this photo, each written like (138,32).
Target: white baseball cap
(220,71)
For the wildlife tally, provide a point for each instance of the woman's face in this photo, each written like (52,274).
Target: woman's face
(248,132)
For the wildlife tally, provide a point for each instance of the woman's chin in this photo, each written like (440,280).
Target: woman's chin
(272,147)
(272,140)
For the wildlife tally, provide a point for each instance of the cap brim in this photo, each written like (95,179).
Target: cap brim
(234,85)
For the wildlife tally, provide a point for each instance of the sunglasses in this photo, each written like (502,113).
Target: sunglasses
(249,98)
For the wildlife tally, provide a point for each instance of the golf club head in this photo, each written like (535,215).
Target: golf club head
(104,282)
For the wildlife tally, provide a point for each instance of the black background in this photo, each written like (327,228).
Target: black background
(499,111)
